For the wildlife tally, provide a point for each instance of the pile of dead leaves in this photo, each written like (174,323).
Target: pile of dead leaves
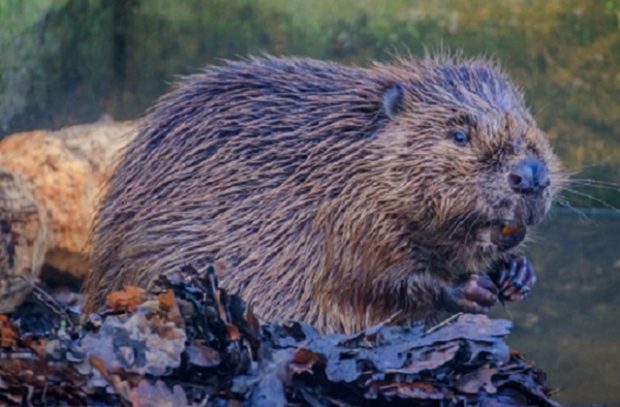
(189,343)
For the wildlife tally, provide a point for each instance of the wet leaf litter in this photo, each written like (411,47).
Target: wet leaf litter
(187,342)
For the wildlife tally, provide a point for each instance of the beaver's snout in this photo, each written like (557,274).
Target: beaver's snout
(529,176)
(530,179)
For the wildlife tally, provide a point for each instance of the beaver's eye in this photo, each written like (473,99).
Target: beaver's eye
(459,138)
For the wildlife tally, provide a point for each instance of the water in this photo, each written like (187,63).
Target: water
(569,324)
(70,61)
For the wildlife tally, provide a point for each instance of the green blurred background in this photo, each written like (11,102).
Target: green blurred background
(71,61)
(66,62)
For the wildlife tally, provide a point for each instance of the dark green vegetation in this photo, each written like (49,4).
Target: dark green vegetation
(66,61)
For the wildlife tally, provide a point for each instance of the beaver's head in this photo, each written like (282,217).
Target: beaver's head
(466,159)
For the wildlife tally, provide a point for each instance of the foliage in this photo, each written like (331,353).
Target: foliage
(190,344)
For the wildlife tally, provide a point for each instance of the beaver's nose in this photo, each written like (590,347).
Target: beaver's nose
(529,175)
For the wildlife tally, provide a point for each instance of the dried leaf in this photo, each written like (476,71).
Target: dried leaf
(253,323)
(304,360)
(203,356)
(233,332)
(39,345)
(137,344)
(166,300)
(148,395)
(126,300)
(305,356)
(479,379)
(428,359)
(414,390)
(229,358)
(9,333)
(343,370)
(269,391)
(98,364)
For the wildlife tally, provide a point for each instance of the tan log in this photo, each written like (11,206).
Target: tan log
(49,186)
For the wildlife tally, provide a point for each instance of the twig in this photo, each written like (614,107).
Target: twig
(443,323)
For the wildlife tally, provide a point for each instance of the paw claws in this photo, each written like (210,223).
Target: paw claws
(517,280)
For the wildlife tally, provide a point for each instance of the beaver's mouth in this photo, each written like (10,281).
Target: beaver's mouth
(507,234)
(509,229)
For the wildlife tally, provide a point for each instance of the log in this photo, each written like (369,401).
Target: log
(49,184)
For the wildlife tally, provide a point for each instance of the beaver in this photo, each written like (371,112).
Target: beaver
(337,195)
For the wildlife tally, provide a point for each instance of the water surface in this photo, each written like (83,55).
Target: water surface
(569,325)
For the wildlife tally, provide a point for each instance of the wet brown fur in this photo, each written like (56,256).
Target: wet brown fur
(322,205)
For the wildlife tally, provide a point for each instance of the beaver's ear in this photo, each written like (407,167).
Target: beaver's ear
(393,100)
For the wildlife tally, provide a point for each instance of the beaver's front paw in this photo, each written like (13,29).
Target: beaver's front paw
(516,279)
(476,294)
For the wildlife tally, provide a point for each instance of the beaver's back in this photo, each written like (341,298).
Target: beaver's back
(234,165)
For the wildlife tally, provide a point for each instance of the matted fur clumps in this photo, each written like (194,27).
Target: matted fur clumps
(331,194)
